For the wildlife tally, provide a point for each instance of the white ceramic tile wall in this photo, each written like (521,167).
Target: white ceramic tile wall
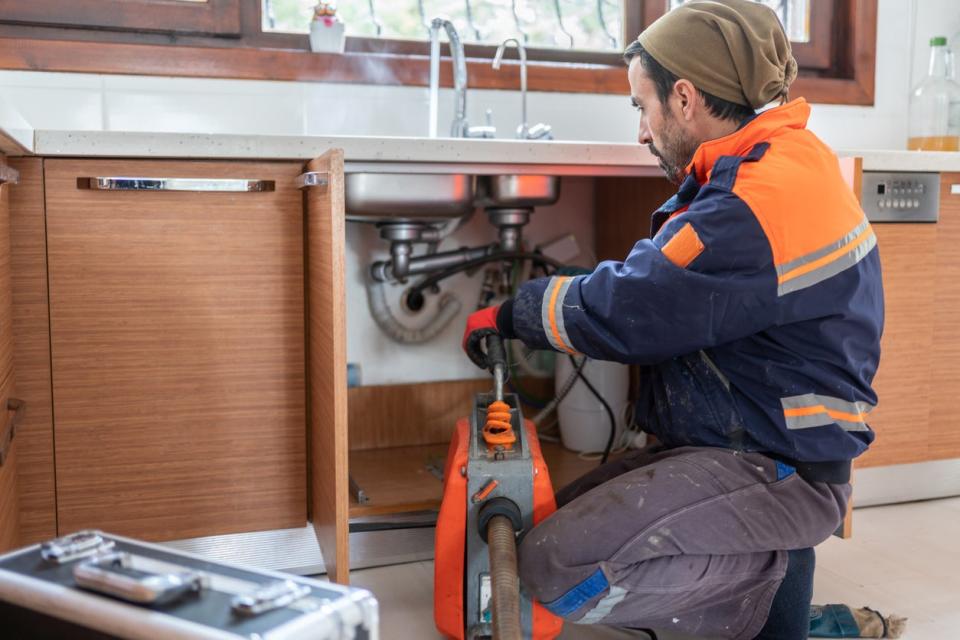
(135,103)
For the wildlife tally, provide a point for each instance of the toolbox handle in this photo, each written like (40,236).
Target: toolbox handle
(113,574)
(14,414)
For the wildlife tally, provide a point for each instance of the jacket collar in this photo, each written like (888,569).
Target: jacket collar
(760,128)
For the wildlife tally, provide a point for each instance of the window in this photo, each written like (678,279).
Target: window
(573,45)
(208,17)
(557,24)
(794,16)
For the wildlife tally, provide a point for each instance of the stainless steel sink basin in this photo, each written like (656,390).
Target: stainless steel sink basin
(408,197)
(517,191)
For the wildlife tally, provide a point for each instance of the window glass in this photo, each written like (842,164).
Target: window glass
(794,14)
(574,24)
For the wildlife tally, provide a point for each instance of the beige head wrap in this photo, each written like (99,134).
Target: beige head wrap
(733,49)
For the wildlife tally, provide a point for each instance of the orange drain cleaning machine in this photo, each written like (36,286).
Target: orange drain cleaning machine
(496,486)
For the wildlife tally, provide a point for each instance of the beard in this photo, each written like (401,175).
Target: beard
(676,152)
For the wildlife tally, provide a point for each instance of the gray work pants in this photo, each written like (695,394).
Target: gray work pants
(692,539)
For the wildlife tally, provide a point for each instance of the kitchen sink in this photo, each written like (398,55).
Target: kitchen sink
(408,197)
(513,191)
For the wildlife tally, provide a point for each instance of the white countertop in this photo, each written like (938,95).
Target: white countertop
(902,160)
(361,152)
(487,155)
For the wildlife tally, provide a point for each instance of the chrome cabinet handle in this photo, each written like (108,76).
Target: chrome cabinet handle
(10,429)
(312,179)
(9,175)
(114,574)
(218,185)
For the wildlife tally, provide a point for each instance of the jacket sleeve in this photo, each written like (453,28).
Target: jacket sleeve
(707,278)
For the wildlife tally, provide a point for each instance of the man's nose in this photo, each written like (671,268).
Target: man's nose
(644,136)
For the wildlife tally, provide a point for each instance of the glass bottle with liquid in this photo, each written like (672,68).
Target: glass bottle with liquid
(934,123)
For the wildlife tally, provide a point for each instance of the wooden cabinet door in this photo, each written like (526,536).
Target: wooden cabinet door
(31,353)
(903,382)
(9,508)
(944,436)
(326,299)
(177,347)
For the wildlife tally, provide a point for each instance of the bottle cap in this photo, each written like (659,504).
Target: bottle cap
(938,41)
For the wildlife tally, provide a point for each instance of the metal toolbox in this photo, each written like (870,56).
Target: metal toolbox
(95,585)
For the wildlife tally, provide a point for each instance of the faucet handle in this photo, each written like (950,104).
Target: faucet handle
(539,131)
(485,131)
(481,131)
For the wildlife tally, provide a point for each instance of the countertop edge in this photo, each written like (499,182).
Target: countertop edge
(609,158)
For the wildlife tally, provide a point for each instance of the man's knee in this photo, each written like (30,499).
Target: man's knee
(550,580)
(534,555)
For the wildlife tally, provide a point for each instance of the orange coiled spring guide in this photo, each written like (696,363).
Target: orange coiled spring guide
(498,432)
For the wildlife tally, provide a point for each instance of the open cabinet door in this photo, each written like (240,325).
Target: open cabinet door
(327,360)
(9,508)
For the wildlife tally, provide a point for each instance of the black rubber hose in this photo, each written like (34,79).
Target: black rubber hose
(596,394)
(415,292)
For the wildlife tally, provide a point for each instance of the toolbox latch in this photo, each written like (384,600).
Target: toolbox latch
(273,596)
(75,546)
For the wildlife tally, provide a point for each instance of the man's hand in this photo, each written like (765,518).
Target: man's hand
(480,324)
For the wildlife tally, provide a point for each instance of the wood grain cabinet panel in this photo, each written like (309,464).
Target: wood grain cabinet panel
(31,352)
(177,345)
(327,348)
(903,382)
(9,508)
(944,436)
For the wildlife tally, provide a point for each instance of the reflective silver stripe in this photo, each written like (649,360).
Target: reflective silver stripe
(604,606)
(823,418)
(545,311)
(830,269)
(709,363)
(558,315)
(823,251)
(837,404)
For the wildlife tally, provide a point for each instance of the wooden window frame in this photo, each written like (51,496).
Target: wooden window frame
(210,17)
(841,73)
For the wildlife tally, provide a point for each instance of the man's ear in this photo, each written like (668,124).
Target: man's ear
(687,96)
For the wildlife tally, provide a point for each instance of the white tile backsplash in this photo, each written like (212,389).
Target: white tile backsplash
(51,107)
(263,113)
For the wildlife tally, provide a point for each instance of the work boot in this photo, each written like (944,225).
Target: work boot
(789,617)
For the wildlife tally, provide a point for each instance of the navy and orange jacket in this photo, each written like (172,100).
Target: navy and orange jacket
(756,308)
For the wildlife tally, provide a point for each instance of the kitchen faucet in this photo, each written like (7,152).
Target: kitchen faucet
(538,131)
(459,128)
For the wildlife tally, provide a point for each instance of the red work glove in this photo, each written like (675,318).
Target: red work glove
(480,324)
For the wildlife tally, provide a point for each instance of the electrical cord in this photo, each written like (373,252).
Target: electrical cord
(596,394)
(564,390)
